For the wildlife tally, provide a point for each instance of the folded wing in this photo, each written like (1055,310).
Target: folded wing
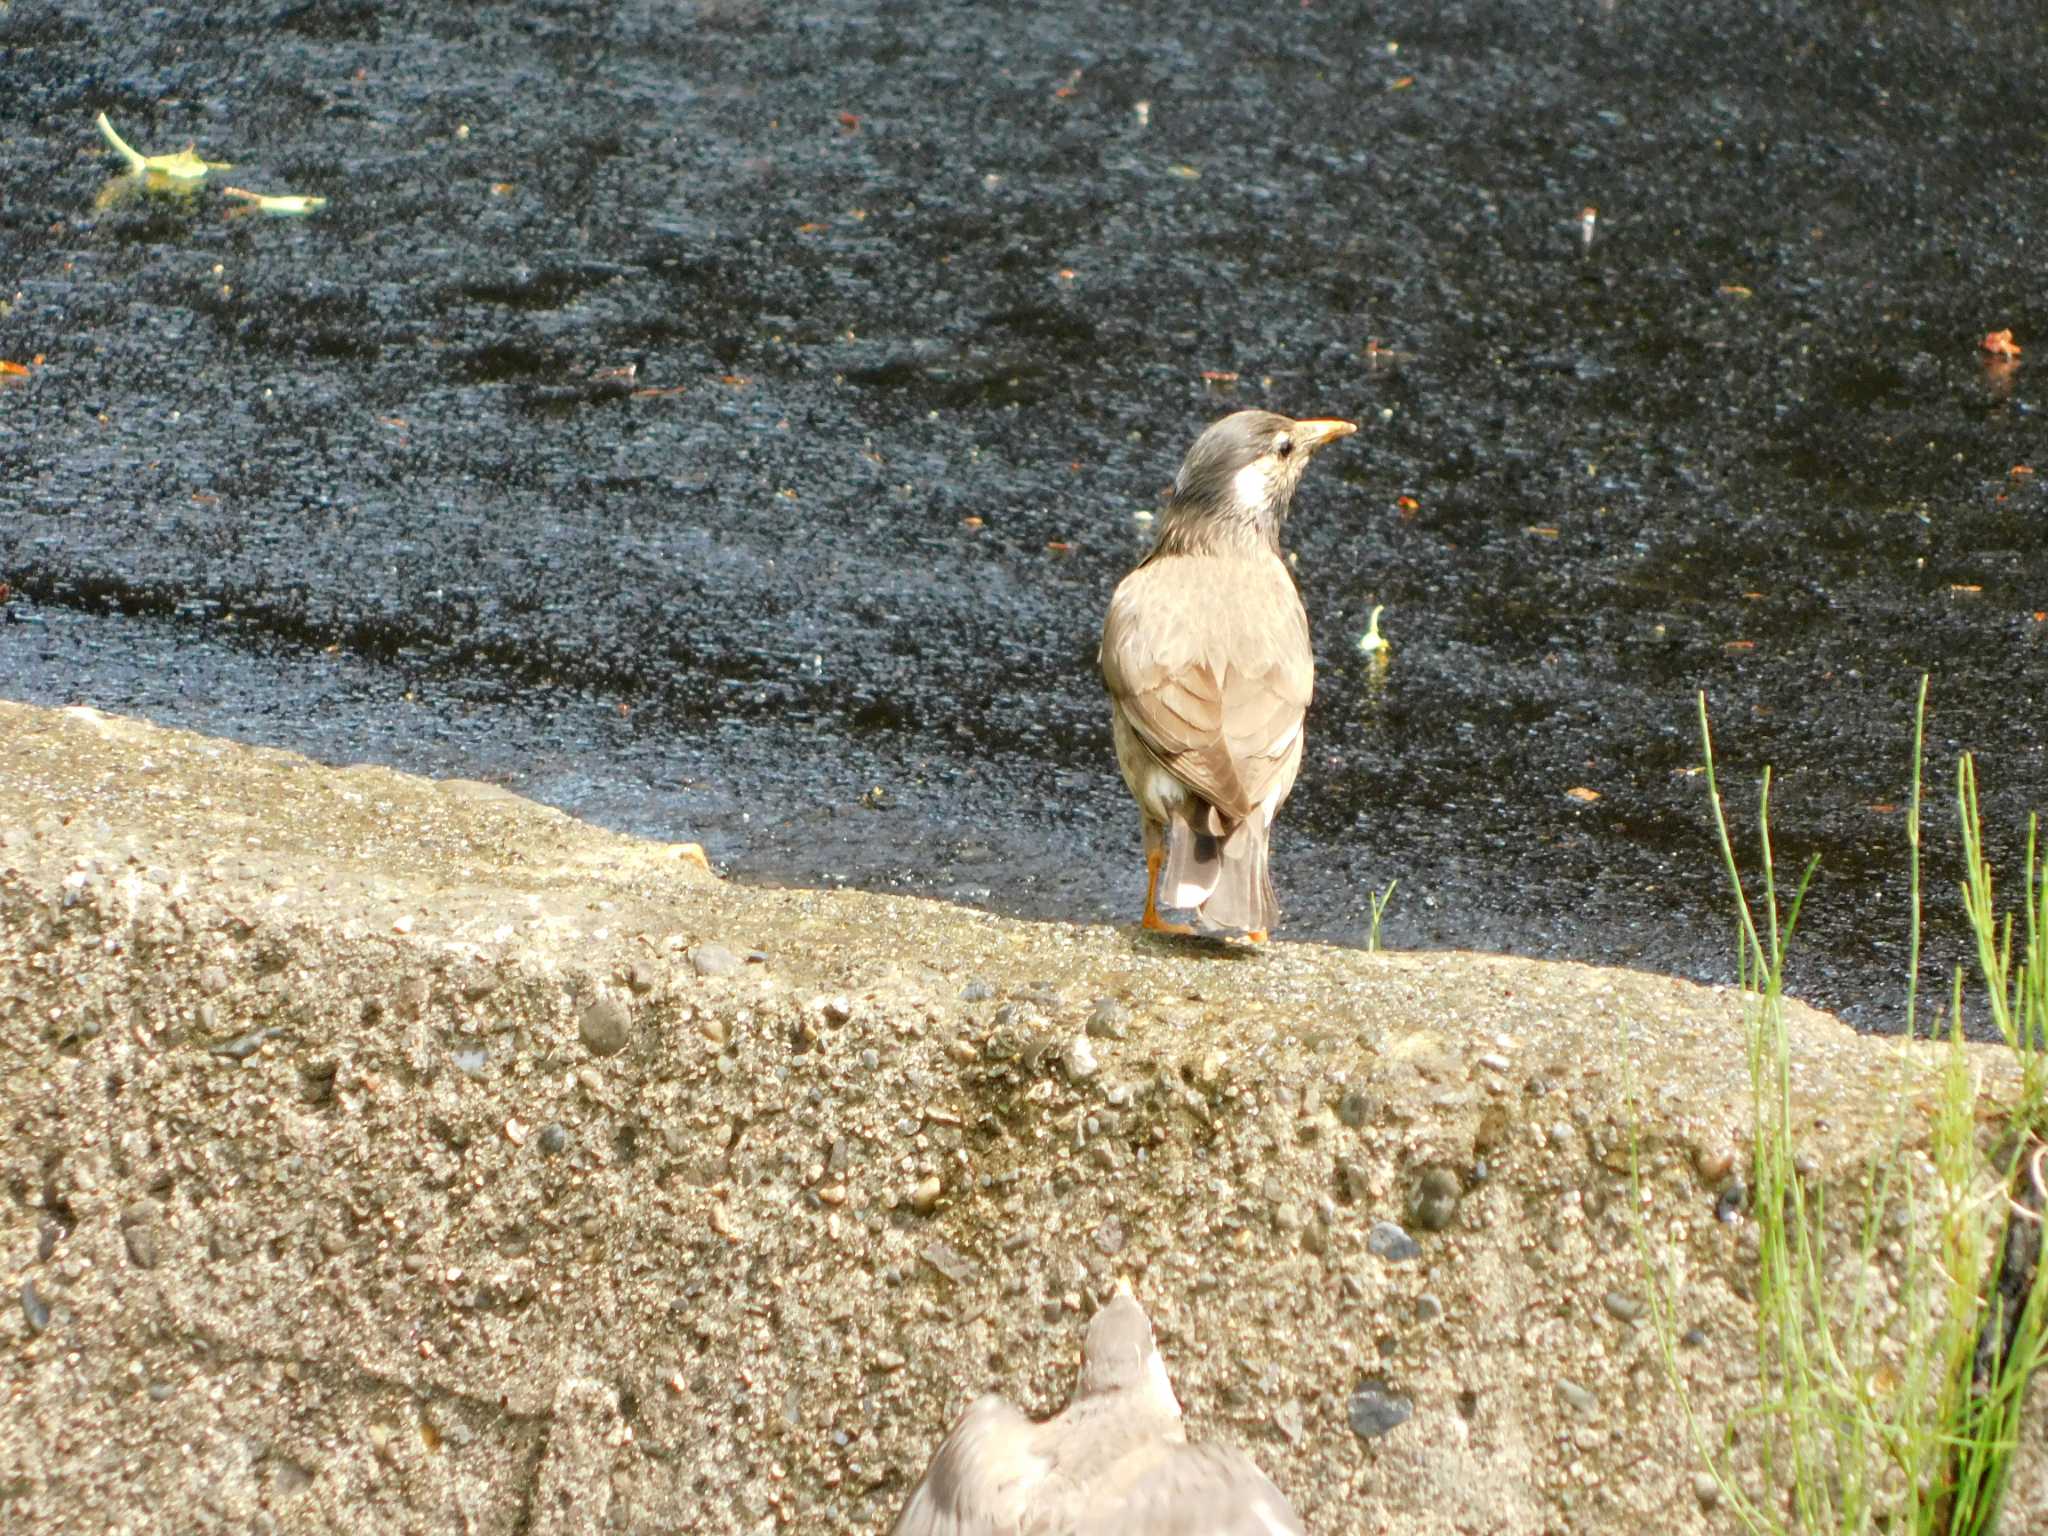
(982,1481)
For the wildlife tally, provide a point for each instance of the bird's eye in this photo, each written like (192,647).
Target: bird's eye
(1283,445)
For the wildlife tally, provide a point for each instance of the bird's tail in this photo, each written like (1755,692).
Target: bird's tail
(1220,871)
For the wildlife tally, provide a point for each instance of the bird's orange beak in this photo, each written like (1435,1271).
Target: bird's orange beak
(1316,434)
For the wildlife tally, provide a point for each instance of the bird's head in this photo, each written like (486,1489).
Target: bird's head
(1240,475)
(1121,1355)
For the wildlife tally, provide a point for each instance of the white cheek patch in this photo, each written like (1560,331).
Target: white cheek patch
(1248,485)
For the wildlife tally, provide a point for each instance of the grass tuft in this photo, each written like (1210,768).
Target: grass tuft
(1892,1370)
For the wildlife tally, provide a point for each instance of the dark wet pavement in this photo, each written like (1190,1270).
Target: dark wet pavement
(358,485)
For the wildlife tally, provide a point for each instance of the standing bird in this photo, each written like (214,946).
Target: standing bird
(1206,656)
(1115,1463)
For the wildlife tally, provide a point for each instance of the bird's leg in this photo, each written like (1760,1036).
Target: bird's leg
(1155,855)
(1255,935)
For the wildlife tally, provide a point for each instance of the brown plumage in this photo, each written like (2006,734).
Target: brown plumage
(1115,1463)
(1206,656)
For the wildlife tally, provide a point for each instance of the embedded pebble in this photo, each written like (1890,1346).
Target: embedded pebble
(1436,1201)
(924,1195)
(1079,1059)
(554,1138)
(976,991)
(1428,1309)
(1355,1108)
(1109,1237)
(34,1308)
(1354,1183)
(888,1361)
(1730,1203)
(1374,1411)
(142,1250)
(242,1047)
(1706,1490)
(641,977)
(715,960)
(1577,1398)
(605,1026)
(213,981)
(1291,1423)
(714,1029)
(1110,1019)
(1626,1308)
(949,1262)
(1391,1243)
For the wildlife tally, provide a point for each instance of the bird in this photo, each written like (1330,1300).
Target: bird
(1206,656)
(1115,1462)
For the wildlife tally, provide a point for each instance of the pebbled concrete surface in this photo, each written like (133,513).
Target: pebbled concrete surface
(408,1156)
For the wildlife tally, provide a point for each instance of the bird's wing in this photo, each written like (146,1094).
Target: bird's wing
(1208,659)
(981,1481)
(1194,1490)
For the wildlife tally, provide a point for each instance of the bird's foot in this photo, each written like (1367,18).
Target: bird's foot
(1255,935)
(1152,922)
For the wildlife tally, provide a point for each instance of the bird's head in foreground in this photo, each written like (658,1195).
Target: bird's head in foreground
(1238,478)
(1120,1354)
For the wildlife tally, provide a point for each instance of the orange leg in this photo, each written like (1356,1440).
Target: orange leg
(1155,855)
(1256,935)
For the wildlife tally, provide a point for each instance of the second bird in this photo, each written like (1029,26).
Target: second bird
(1207,659)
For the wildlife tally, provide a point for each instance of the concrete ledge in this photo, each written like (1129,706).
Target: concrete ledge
(391,1155)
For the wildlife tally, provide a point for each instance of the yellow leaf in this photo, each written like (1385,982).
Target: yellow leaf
(283,204)
(184,165)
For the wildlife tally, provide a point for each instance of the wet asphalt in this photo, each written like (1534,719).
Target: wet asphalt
(922,305)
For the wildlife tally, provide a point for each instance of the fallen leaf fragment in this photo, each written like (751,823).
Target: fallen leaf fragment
(1580,792)
(1402,84)
(849,122)
(1407,503)
(735,380)
(970,522)
(1738,645)
(1219,376)
(1964,586)
(1541,531)
(2022,469)
(2001,344)
(279,204)
(1884,807)
(184,165)
(1736,291)
(1059,547)
(1185,172)
(13,370)
(501,189)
